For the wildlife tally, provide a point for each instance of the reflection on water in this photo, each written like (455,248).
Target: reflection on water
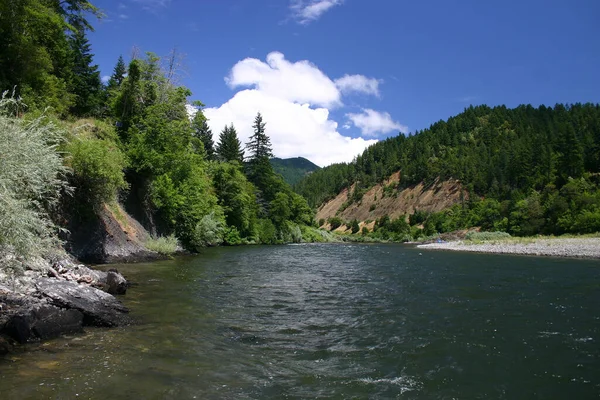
(334,321)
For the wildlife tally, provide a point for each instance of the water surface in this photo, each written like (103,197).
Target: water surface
(334,321)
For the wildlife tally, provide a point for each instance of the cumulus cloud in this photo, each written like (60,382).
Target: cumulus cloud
(358,84)
(307,11)
(299,82)
(373,123)
(295,99)
(105,79)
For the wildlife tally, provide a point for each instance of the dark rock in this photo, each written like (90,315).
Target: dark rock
(115,283)
(105,238)
(5,346)
(99,308)
(42,321)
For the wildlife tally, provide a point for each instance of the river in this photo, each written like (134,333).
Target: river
(334,321)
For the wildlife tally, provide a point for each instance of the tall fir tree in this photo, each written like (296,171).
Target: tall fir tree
(203,132)
(229,146)
(259,169)
(85,84)
(118,75)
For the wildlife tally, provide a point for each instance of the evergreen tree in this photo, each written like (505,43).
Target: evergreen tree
(203,132)
(229,146)
(86,84)
(260,170)
(118,75)
(259,145)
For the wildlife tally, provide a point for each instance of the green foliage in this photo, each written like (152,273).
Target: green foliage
(229,148)
(500,155)
(232,237)
(209,231)
(85,84)
(322,221)
(354,226)
(32,178)
(293,169)
(335,222)
(97,166)
(204,133)
(267,233)
(486,236)
(365,230)
(236,197)
(166,245)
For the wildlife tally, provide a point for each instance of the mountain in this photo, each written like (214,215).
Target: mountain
(293,169)
(525,171)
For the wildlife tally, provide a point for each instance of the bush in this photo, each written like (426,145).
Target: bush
(209,232)
(354,226)
(484,236)
(335,222)
(321,221)
(232,237)
(163,244)
(365,230)
(98,166)
(267,234)
(32,177)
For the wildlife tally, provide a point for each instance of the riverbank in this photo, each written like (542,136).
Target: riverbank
(62,298)
(580,247)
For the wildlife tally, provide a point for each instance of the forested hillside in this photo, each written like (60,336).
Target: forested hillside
(293,169)
(129,141)
(530,170)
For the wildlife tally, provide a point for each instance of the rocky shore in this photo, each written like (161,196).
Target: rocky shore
(555,247)
(63,299)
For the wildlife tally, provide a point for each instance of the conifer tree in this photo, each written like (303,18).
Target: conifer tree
(86,84)
(118,74)
(229,146)
(203,132)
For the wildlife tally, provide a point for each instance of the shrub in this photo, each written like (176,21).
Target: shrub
(321,221)
(354,226)
(98,169)
(335,222)
(232,237)
(32,177)
(483,236)
(209,232)
(163,244)
(365,230)
(372,207)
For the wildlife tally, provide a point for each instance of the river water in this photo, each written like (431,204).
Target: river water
(334,321)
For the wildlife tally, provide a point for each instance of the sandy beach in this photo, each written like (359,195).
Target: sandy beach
(555,247)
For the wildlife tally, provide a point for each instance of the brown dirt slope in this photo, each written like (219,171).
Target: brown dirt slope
(375,203)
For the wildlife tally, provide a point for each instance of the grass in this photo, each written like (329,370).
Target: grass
(167,245)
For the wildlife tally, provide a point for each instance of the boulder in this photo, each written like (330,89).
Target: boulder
(115,283)
(42,321)
(98,308)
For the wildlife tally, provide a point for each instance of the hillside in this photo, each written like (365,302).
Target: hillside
(383,199)
(526,171)
(293,169)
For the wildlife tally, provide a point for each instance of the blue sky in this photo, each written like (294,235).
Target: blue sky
(333,76)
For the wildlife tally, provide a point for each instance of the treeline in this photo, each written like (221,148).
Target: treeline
(528,170)
(131,140)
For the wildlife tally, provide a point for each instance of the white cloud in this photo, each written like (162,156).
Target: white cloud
(105,79)
(123,16)
(295,129)
(372,123)
(307,11)
(299,82)
(359,84)
(153,5)
(295,99)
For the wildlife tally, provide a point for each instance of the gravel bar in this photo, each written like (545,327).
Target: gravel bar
(557,247)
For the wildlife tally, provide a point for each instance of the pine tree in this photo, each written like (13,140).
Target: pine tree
(118,74)
(86,84)
(229,146)
(259,145)
(203,132)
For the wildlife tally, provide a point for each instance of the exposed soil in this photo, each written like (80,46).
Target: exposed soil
(376,202)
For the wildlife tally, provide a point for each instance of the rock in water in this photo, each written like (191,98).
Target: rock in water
(98,308)
(115,283)
(43,322)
